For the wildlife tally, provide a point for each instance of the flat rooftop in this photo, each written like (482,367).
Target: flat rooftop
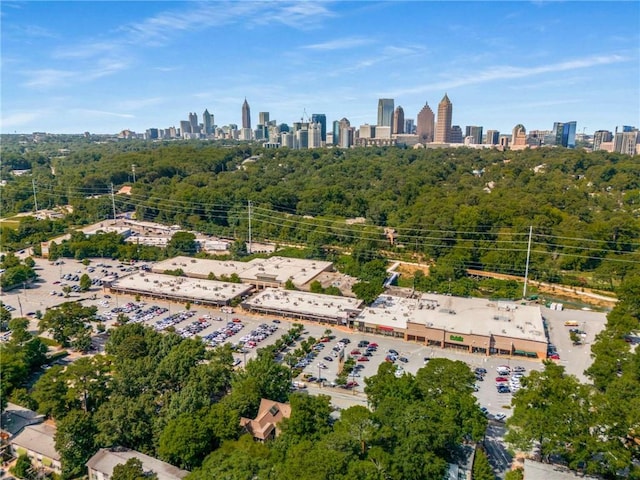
(271,270)
(303,304)
(457,314)
(211,291)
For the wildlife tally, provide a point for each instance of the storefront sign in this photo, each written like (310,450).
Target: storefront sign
(456,338)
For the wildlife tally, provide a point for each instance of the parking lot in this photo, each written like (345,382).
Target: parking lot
(216,326)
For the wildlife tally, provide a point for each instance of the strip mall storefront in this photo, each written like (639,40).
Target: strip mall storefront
(475,343)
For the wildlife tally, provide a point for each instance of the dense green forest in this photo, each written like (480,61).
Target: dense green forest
(464,207)
(469,208)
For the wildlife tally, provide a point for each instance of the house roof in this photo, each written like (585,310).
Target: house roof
(15,418)
(38,438)
(269,415)
(106,459)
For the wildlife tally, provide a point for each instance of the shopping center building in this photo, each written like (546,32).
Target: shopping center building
(473,325)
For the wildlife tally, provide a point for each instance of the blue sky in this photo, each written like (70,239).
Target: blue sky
(69,67)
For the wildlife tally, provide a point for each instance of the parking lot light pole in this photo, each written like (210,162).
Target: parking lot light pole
(319,382)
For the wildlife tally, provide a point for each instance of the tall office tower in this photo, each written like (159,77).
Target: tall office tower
(207,122)
(626,141)
(301,139)
(564,134)
(336,132)
(385,111)
(475,133)
(426,124)
(286,139)
(493,137)
(193,120)
(185,127)
(445,116)
(455,135)
(263,118)
(246,115)
(346,133)
(321,118)
(284,127)
(600,137)
(408,125)
(315,135)
(398,120)
(518,137)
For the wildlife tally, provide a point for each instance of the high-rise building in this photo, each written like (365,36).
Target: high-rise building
(565,134)
(321,118)
(193,120)
(336,132)
(626,141)
(185,127)
(315,135)
(600,137)
(518,137)
(493,137)
(385,112)
(426,124)
(445,117)
(263,118)
(455,135)
(398,120)
(346,133)
(409,125)
(475,133)
(246,115)
(367,131)
(207,122)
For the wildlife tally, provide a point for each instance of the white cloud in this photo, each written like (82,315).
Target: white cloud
(17,119)
(102,113)
(505,72)
(48,77)
(339,44)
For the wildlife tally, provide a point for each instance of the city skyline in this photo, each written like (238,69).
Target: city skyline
(144,66)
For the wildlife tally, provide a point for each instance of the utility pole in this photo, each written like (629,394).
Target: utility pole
(249,245)
(35,198)
(526,269)
(113,204)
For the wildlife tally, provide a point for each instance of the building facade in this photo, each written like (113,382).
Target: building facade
(475,133)
(385,111)
(425,128)
(246,115)
(321,118)
(445,117)
(398,120)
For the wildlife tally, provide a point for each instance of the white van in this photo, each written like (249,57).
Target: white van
(503,370)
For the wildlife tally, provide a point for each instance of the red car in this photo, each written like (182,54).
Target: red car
(374,345)
(554,356)
(237,320)
(355,352)
(363,359)
(501,379)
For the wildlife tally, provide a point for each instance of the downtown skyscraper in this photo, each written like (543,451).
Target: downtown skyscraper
(425,128)
(385,112)
(443,125)
(246,115)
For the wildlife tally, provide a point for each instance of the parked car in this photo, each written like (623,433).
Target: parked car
(502,379)
(403,359)
(393,352)
(356,352)
(328,358)
(500,416)
(363,359)
(503,389)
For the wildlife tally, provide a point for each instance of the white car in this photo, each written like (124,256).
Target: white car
(500,416)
